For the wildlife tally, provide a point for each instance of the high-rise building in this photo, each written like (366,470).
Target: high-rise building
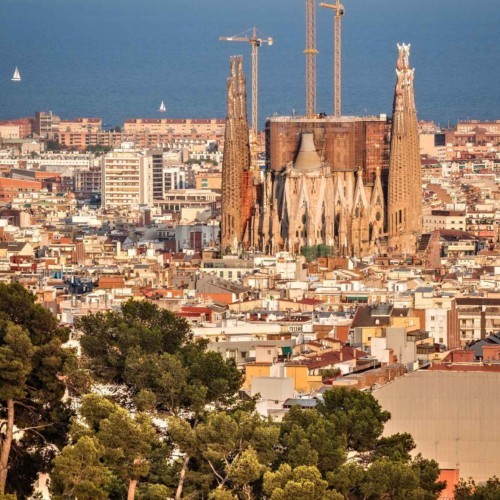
(46,124)
(157,156)
(404,215)
(127,179)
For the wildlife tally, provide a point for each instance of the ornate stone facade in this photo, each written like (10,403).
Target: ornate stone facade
(237,178)
(315,211)
(331,199)
(404,215)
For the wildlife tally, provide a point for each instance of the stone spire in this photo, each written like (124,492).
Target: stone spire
(236,193)
(405,171)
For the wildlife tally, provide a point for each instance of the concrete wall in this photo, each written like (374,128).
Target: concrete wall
(453,417)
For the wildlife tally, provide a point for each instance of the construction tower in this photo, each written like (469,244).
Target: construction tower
(255,41)
(405,171)
(338,9)
(237,179)
(311,53)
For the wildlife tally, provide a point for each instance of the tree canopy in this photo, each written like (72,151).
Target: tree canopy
(173,424)
(35,372)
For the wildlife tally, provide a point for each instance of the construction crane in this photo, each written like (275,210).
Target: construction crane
(338,9)
(311,52)
(250,36)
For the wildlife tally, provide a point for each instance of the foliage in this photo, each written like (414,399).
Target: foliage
(330,372)
(140,328)
(99,149)
(151,352)
(395,447)
(490,490)
(357,414)
(229,449)
(310,438)
(109,444)
(301,483)
(79,471)
(223,448)
(54,146)
(35,371)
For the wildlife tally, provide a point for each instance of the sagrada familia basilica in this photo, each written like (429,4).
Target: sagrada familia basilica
(345,186)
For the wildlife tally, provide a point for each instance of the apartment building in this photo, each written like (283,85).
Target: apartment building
(478,317)
(10,188)
(18,128)
(10,131)
(87,182)
(47,124)
(157,158)
(176,199)
(209,180)
(444,219)
(127,178)
(81,124)
(175,126)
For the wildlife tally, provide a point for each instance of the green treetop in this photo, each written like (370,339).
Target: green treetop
(35,372)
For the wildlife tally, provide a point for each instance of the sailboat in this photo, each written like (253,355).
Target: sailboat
(162,107)
(17,76)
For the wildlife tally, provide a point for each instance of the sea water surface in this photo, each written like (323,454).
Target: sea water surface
(118,59)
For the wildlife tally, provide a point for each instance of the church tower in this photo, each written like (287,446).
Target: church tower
(404,215)
(237,189)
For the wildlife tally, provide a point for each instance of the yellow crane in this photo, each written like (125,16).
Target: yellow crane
(338,9)
(250,36)
(311,52)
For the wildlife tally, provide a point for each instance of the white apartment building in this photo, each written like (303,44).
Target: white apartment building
(444,219)
(174,178)
(127,179)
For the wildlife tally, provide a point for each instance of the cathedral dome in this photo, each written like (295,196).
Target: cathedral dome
(307,159)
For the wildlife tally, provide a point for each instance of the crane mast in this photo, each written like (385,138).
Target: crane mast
(311,52)
(255,42)
(338,9)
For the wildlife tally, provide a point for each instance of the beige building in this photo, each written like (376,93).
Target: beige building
(46,124)
(175,126)
(433,145)
(127,179)
(444,219)
(10,131)
(209,180)
(81,124)
(452,416)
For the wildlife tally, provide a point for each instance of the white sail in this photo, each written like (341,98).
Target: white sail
(162,107)
(17,76)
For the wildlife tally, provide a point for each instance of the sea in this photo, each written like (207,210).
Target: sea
(118,59)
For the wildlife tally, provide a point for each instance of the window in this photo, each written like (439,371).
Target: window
(433,318)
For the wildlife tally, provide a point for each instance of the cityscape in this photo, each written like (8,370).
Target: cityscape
(266,305)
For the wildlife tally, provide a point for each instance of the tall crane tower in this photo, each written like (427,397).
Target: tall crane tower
(250,36)
(311,52)
(338,9)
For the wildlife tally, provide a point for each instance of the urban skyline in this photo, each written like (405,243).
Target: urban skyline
(197,303)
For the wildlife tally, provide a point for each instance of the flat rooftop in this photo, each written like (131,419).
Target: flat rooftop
(327,119)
